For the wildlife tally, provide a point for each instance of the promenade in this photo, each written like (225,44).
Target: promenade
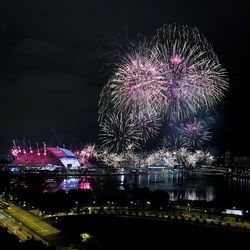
(182,214)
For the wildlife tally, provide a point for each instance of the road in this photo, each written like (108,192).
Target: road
(34,223)
(15,227)
(24,225)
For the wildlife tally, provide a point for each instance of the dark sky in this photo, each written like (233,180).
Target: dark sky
(52,61)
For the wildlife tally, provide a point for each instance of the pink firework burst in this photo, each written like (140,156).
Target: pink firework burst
(176,59)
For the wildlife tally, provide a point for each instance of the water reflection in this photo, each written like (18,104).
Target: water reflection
(53,185)
(207,194)
(180,186)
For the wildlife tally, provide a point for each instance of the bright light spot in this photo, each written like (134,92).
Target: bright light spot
(233,211)
(85,237)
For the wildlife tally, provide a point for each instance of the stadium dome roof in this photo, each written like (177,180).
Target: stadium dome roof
(49,156)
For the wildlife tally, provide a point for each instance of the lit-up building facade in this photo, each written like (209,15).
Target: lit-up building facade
(50,158)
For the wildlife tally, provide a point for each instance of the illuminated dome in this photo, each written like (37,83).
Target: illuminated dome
(49,157)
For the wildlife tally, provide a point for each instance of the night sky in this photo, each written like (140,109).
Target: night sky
(53,63)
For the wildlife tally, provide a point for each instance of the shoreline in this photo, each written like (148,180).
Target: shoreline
(210,172)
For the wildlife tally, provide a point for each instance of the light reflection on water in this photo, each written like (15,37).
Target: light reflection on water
(69,183)
(193,194)
(180,186)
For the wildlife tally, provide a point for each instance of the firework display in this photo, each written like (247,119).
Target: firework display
(194,79)
(191,134)
(135,85)
(195,133)
(173,77)
(118,132)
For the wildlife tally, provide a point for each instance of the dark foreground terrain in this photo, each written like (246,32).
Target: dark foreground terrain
(116,233)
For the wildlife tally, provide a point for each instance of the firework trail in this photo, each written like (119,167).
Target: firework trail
(118,133)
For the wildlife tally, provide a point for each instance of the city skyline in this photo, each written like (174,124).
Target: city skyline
(54,64)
